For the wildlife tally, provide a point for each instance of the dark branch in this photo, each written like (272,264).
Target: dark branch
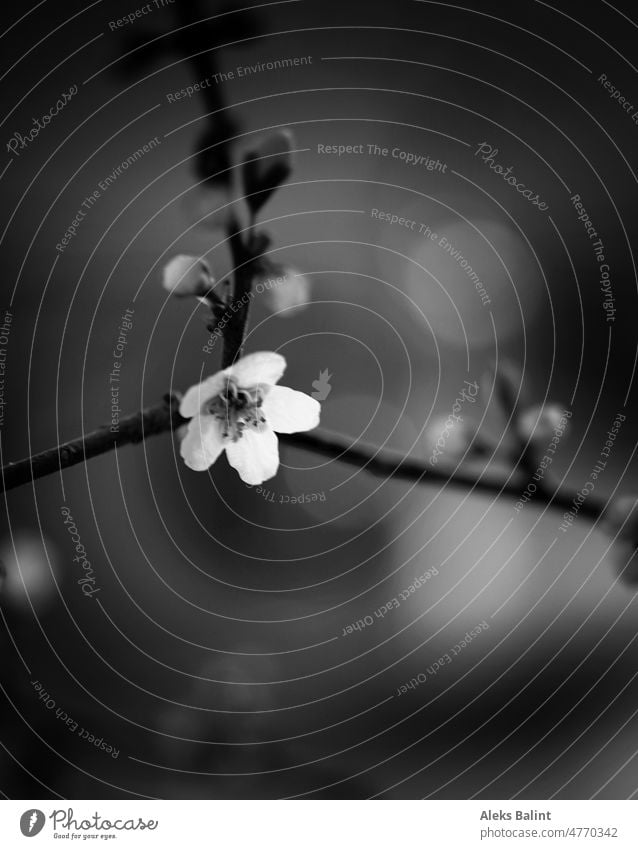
(132,429)
(166,418)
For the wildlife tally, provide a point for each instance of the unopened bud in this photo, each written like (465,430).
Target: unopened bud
(541,422)
(447,438)
(266,167)
(187,277)
(621,518)
(287,291)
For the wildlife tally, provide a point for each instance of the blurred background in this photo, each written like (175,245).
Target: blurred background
(215,661)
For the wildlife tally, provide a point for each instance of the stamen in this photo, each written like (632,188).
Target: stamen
(237,408)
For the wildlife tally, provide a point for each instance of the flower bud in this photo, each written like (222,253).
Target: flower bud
(446,439)
(541,422)
(266,167)
(187,277)
(621,518)
(286,290)
(620,522)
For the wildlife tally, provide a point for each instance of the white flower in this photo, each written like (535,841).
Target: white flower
(287,293)
(187,277)
(238,410)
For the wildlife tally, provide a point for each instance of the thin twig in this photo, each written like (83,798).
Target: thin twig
(243,276)
(395,465)
(134,428)
(165,418)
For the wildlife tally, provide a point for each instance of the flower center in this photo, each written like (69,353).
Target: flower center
(237,408)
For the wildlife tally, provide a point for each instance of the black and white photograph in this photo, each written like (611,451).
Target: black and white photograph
(318,422)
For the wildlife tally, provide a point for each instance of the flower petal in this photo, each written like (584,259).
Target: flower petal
(187,276)
(202,444)
(197,395)
(255,455)
(289,411)
(262,367)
